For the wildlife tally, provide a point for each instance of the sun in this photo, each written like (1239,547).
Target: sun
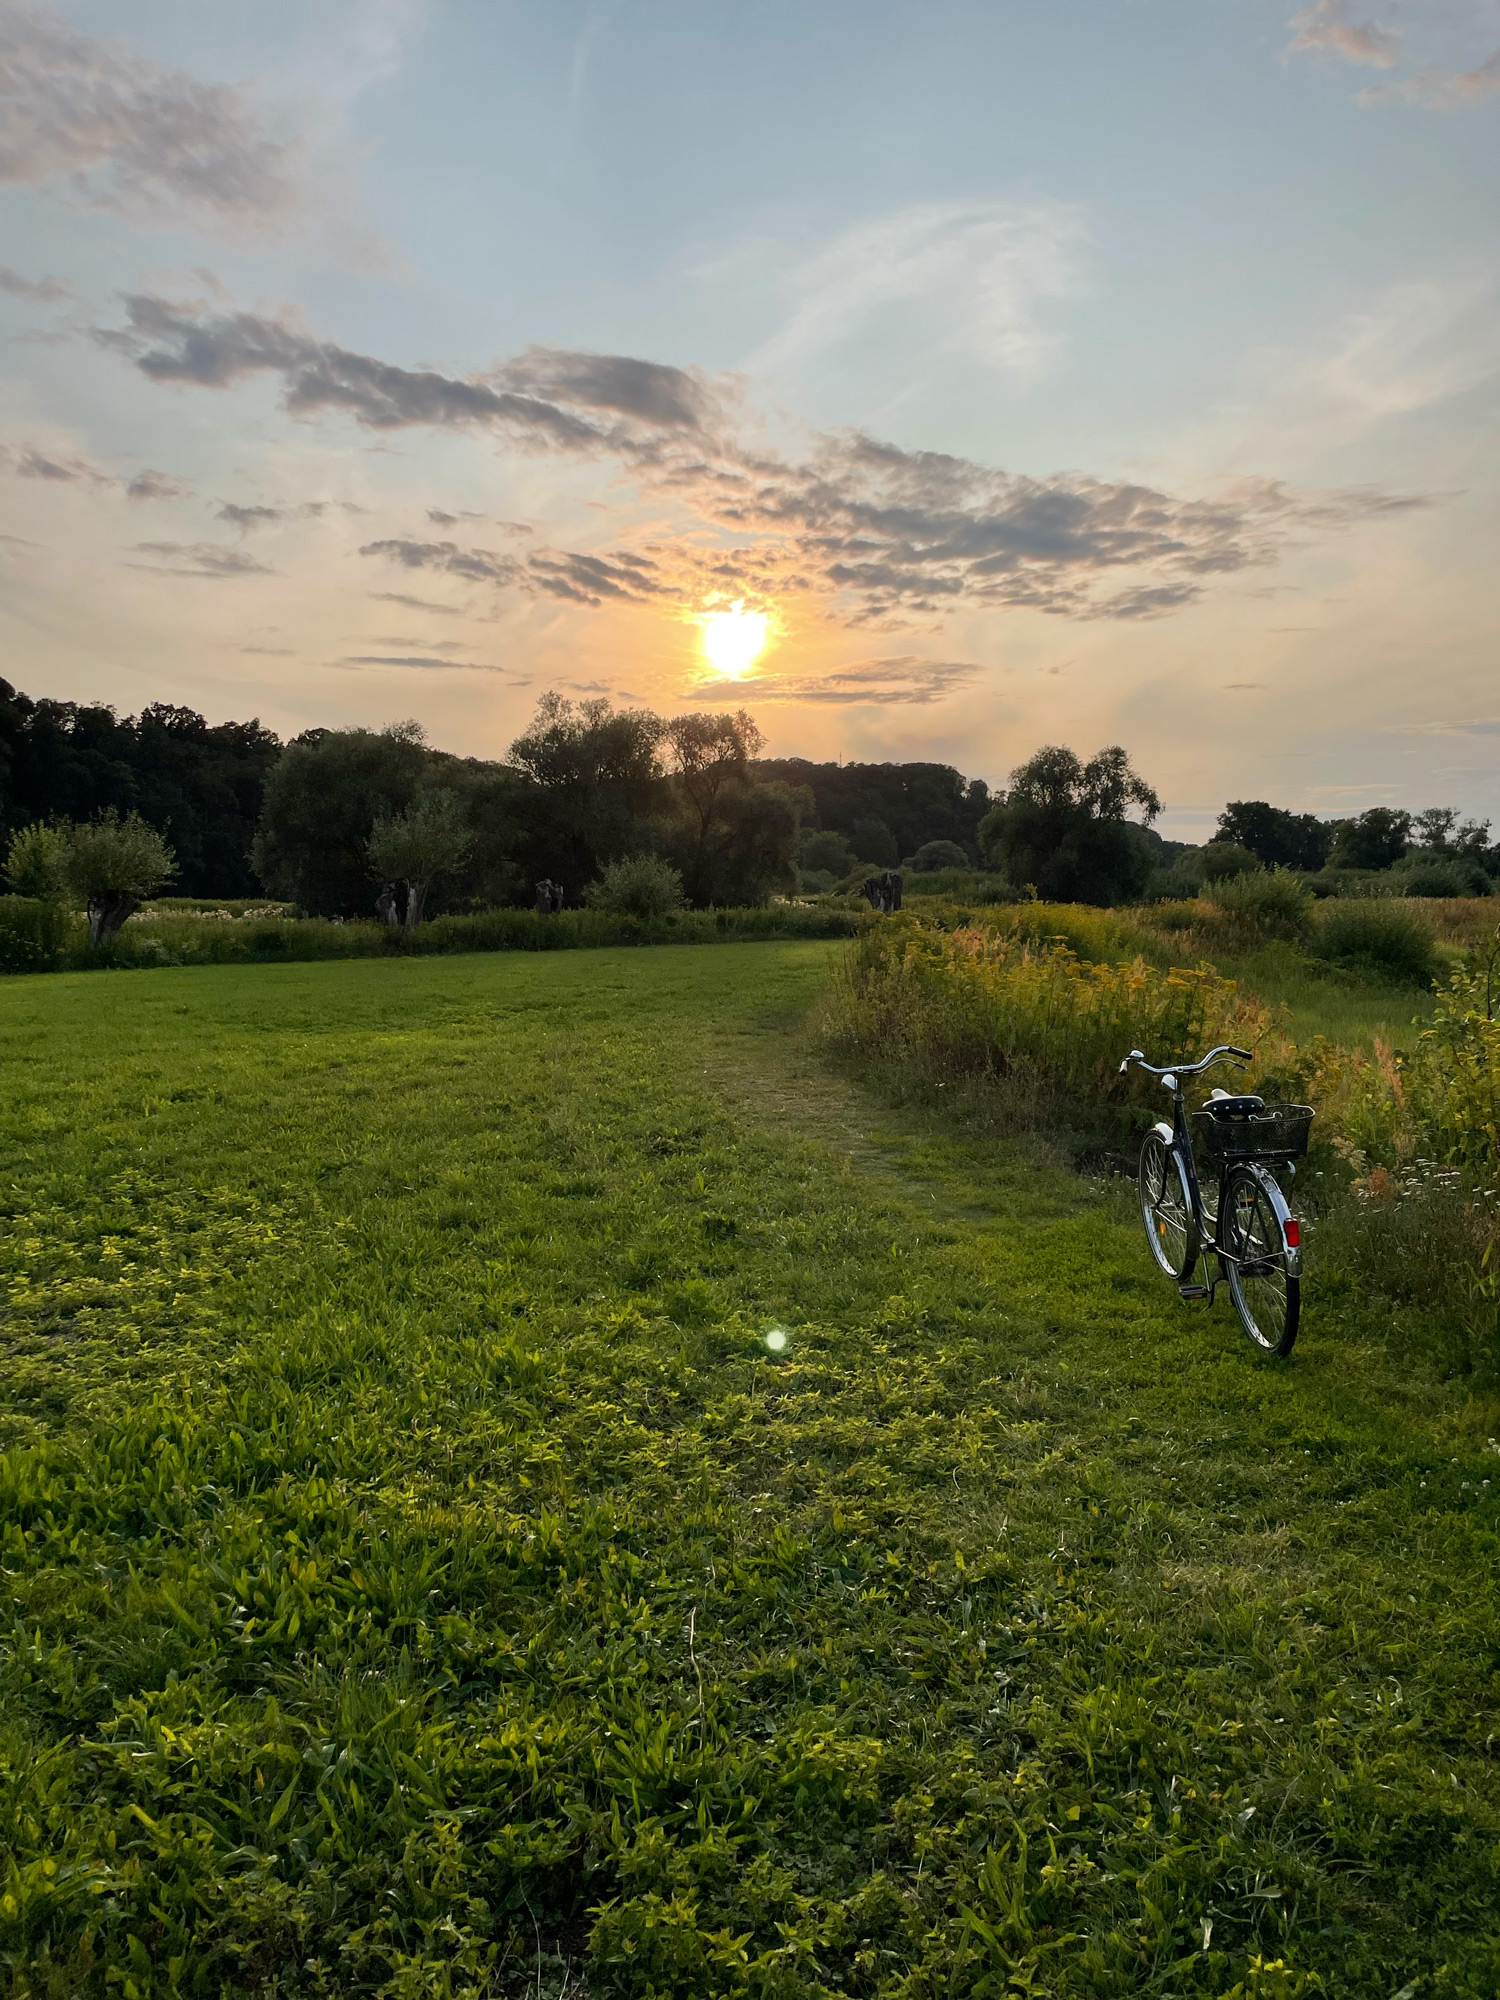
(734,639)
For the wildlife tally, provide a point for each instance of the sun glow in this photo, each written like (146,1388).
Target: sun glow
(733,640)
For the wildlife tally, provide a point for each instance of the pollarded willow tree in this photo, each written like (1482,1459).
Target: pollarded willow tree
(112,865)
(410,851)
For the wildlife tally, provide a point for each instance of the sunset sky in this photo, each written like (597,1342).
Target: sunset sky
(1038,371)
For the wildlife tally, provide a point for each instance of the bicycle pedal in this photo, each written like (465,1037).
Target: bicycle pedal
(1194,1292)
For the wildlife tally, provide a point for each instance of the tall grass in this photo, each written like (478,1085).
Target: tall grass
(1041,1027)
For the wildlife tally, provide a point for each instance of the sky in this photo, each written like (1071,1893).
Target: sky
(1038,371)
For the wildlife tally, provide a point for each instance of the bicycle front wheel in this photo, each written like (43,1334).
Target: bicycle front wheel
(1167,1209)
(1267,1294)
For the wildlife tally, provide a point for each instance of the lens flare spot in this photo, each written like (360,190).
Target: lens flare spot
(776,1340)
(734,640)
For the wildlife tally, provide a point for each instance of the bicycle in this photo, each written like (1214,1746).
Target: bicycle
(1244,1223)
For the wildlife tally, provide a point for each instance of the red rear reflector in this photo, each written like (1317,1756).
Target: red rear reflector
(1291,1229)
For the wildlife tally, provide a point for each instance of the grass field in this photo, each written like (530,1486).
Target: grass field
(424,1578)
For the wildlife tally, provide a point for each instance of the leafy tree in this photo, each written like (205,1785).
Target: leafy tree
(824,852)
(752,850)
(36,865)
(1375,839)
(112,866)
(1062,827)
(641,885)
(36,862)
(1277,838)
(1441,831)
(594,787)
(321,806)
(415,847)
(874,842)
(914,803)
(708,753)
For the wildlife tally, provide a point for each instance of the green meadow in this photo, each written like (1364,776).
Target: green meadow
(424,1577)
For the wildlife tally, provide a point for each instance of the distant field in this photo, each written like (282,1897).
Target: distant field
(423,1577)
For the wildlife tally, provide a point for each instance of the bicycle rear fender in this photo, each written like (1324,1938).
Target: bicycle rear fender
(1283,1216)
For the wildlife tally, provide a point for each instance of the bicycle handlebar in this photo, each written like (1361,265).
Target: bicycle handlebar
(1138,1057)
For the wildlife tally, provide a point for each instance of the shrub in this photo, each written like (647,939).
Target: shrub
(1368,935)
(936,854)
(1223,859)
(1267,903)
(642,885)
(1437,877)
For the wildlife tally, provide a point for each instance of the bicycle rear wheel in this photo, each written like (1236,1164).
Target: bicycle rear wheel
(1267,1294)
(1167,1209)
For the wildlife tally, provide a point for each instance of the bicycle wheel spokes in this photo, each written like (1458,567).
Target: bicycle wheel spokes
(1266,1295)
(1166,1209)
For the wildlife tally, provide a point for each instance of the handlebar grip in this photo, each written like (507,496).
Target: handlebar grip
(1245,1055)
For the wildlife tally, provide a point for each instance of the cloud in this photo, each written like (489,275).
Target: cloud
(1436,90)
(417,603)
(979,269)
(28,462)
(888,534)
(1326,27)
(125,133)
(575,577)
(198,559)
(902,679)
(42,291)
(473,565)
(421,660)
(1468,726)
(150,485)
(246,518)
(589,403)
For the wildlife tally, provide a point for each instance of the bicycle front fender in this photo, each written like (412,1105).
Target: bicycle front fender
(1164,1131)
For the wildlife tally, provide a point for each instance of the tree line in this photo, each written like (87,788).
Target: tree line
(351,822)
(342,822)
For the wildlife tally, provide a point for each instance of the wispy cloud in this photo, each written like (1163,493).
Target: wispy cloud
(1459,726)
(902,679)
(119,131)
(981,272)
(40,291)
(152,485)
(417,603)
(887,533)
(203,559)
(28,461)
(1327,27)
(68,468)
(424,661)
(1440,90)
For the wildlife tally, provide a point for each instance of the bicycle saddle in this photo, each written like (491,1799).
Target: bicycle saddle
(1222,1105)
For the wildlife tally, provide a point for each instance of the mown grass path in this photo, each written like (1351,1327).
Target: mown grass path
(421,1577)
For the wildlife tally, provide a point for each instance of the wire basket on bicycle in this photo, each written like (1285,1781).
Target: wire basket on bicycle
(1246,1129)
